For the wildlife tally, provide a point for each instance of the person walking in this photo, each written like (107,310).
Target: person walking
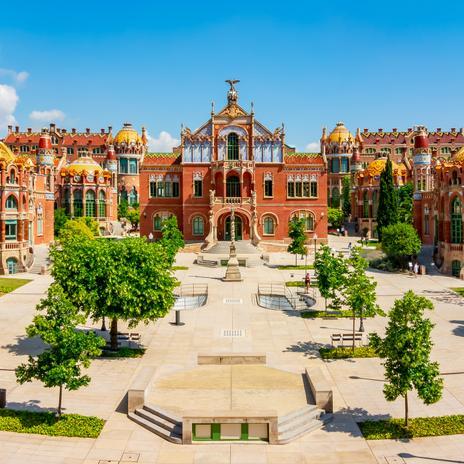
(416,269)
(307,282)
(410,267)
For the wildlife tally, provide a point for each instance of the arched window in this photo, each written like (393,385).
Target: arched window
(233,186)
(335,198)
(12,202)
(456,221)
(77,203)
(11,264)
(375,203)
(123,195)
(157,222)
(335,165)
(365,204)
(90,203)
(198,225)
(308,218)
(11,179)
(232,146)
(268,225)
(345,165)
(133,196)
(101,204)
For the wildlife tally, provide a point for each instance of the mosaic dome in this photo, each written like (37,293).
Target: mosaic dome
(376,167)
(340,134)
(128,135)
(6,154)
(82,164)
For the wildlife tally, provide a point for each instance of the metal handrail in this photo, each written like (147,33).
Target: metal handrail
(280,289)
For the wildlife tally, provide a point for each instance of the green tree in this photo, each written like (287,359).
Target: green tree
(335,217)
(330,271)
(133,216)
(296,231)
(122,209)
(67,350)
(400,241)
(406,349)
(405,203)
(77,227)
(60,219)
(359,290)
(171,239)
(346,196)
(387,212)
(128,279)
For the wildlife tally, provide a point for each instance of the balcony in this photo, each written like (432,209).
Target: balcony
(232,201)
(227,165)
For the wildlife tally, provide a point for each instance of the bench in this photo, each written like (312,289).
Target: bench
(346,337)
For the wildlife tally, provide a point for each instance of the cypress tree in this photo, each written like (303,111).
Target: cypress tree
(387,212)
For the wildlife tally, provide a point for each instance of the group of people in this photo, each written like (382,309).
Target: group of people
(414,268)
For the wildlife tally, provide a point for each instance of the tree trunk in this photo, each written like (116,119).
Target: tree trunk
(406,411)
(325,300)
(354,330)
(296,260)
(60,400)
(114,334)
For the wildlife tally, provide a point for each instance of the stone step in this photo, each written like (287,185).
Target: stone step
(168,416)
(308,409)
(292,434)
(170,436)
(159,421)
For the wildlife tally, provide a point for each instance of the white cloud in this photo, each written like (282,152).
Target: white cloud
(164,143)
(8,101)
(47,115)
(18,77)
(313,147)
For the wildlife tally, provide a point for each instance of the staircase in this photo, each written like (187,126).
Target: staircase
(243,247)
(160,422)
(40,259)
(300,422)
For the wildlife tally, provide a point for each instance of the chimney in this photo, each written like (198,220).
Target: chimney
(102,131)
(380,130)
(395,129)
(64,131)
(365,130)
(16,129)
(409,129)
(110,128)
(52,127)
(87,130)
(453,129)
(29,130)
(10,129)
(73,130)
(438,129)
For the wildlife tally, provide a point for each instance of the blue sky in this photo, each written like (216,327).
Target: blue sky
(159,64)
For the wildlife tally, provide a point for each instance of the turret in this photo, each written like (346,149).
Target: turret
(45,151)
(422,160)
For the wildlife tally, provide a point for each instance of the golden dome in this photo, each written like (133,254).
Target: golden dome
(377,166)
(6,154)
(341,134)
(127,135)
(459,156)
(85,163)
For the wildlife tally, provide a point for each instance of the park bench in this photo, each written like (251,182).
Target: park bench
(346,338)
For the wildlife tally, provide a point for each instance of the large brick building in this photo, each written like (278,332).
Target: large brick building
(233,160)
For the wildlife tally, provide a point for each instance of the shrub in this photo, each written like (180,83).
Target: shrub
(345,352)
(418,427)
(124,352)
(335,217)
(383,264)
(45,423)
(319,314)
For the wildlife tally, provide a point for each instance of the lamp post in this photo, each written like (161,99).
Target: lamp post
(315,242)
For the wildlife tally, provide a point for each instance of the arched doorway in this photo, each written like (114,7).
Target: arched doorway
(232,186)
(238,228)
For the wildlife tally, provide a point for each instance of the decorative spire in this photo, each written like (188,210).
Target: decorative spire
(232,94)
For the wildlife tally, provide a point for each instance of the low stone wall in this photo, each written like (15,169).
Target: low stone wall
(320,389)
(137,392)
(231,358)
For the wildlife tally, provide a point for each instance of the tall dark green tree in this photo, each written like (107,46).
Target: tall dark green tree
(296,231)
(406,349)
(67,350)
(405,203)
(387,213)
(346,200)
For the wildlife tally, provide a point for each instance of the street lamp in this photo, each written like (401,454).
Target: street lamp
(315,242)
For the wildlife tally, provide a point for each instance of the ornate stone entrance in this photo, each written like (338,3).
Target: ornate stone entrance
(238,228)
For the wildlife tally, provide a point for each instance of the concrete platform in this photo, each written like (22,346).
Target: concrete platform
(234,387)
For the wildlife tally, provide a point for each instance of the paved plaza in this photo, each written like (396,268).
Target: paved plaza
(290,344)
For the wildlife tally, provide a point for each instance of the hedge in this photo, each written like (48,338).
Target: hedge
(346,352)
(46,423)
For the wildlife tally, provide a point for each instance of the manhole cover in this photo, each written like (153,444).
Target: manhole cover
(232,301)
(232,333)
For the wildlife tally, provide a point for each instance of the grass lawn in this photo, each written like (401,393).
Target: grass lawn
(295,268)
(458,290)
(418,427)
(298,283)
(317,314)
(45,423)
(8,285)
(346,352)
(123,352)
(179,268)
